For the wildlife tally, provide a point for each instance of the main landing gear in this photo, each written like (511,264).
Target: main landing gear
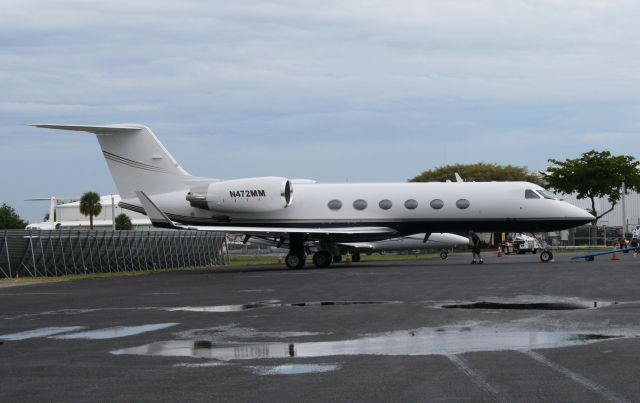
(296,258)
(322,259)
(328,253)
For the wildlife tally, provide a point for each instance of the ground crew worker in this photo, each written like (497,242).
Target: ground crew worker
(475,248)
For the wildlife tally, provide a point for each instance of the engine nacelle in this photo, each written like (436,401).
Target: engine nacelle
(251,195)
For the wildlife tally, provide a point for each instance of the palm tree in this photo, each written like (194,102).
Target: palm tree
(123,222)
(90,205)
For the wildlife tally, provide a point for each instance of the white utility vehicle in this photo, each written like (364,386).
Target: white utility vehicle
(524,243)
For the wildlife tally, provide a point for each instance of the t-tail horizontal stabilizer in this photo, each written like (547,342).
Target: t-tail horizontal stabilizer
(157,217)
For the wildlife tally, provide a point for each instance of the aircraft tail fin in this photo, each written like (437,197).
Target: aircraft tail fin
(136,158)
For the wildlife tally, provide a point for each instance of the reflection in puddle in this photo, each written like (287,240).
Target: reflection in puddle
(219,334)
(294,369)
(200,364)
(273,304)
(424,341)
(42,332)
(590,336)
(545,306)
(224,308)
(114,332)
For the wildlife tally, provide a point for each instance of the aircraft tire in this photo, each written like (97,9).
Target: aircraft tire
(294,261)
(444,255)
(355,257)
(322,259)
(546,256)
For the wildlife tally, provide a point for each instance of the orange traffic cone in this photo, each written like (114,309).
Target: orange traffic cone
(280,260)
(347,260)
(500,254)
(615,256)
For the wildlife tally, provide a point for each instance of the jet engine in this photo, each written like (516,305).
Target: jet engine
(250,195)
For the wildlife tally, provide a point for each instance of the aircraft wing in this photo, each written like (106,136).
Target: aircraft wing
(160,219)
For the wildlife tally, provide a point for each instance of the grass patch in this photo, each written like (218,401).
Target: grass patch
(72,277)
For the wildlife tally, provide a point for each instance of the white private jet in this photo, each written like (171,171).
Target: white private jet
(440,241)
(150,180)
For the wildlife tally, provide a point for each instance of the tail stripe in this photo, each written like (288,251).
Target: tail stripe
(132,163)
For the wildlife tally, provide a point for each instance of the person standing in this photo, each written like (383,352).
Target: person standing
(475,248)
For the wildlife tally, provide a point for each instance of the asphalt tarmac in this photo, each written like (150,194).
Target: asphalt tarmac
(515,329)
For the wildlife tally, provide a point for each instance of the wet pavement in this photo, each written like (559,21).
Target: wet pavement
(513,329)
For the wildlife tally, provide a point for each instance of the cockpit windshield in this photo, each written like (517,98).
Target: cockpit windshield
(530,194)
(547,194)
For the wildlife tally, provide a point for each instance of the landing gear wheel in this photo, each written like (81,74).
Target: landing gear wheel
(589,258)
(322,258)
(337,259)
(444,255)
(355,257)
(294,261)
(546,256)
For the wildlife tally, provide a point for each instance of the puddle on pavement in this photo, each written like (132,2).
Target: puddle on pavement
(273,304)
(423,341)
(544,306)
(294,369)
(114,332)
(42,332)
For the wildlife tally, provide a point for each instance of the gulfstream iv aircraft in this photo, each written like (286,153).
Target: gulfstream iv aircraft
(150,180)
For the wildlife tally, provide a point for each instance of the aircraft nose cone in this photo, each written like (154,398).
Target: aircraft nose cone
(580,215)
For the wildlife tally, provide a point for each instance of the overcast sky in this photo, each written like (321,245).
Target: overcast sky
(329,90)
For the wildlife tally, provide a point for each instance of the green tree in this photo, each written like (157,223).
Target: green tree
(595,174)
(9,219)
(480,172)
(90,206)
(123,222)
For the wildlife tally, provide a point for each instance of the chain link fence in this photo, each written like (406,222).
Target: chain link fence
(54,253)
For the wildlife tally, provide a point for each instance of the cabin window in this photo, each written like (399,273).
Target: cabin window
(360,204)
(463,204)
(436,204)
(547,194)
(335,204)
(411,204)
(530,194)
(385,204)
